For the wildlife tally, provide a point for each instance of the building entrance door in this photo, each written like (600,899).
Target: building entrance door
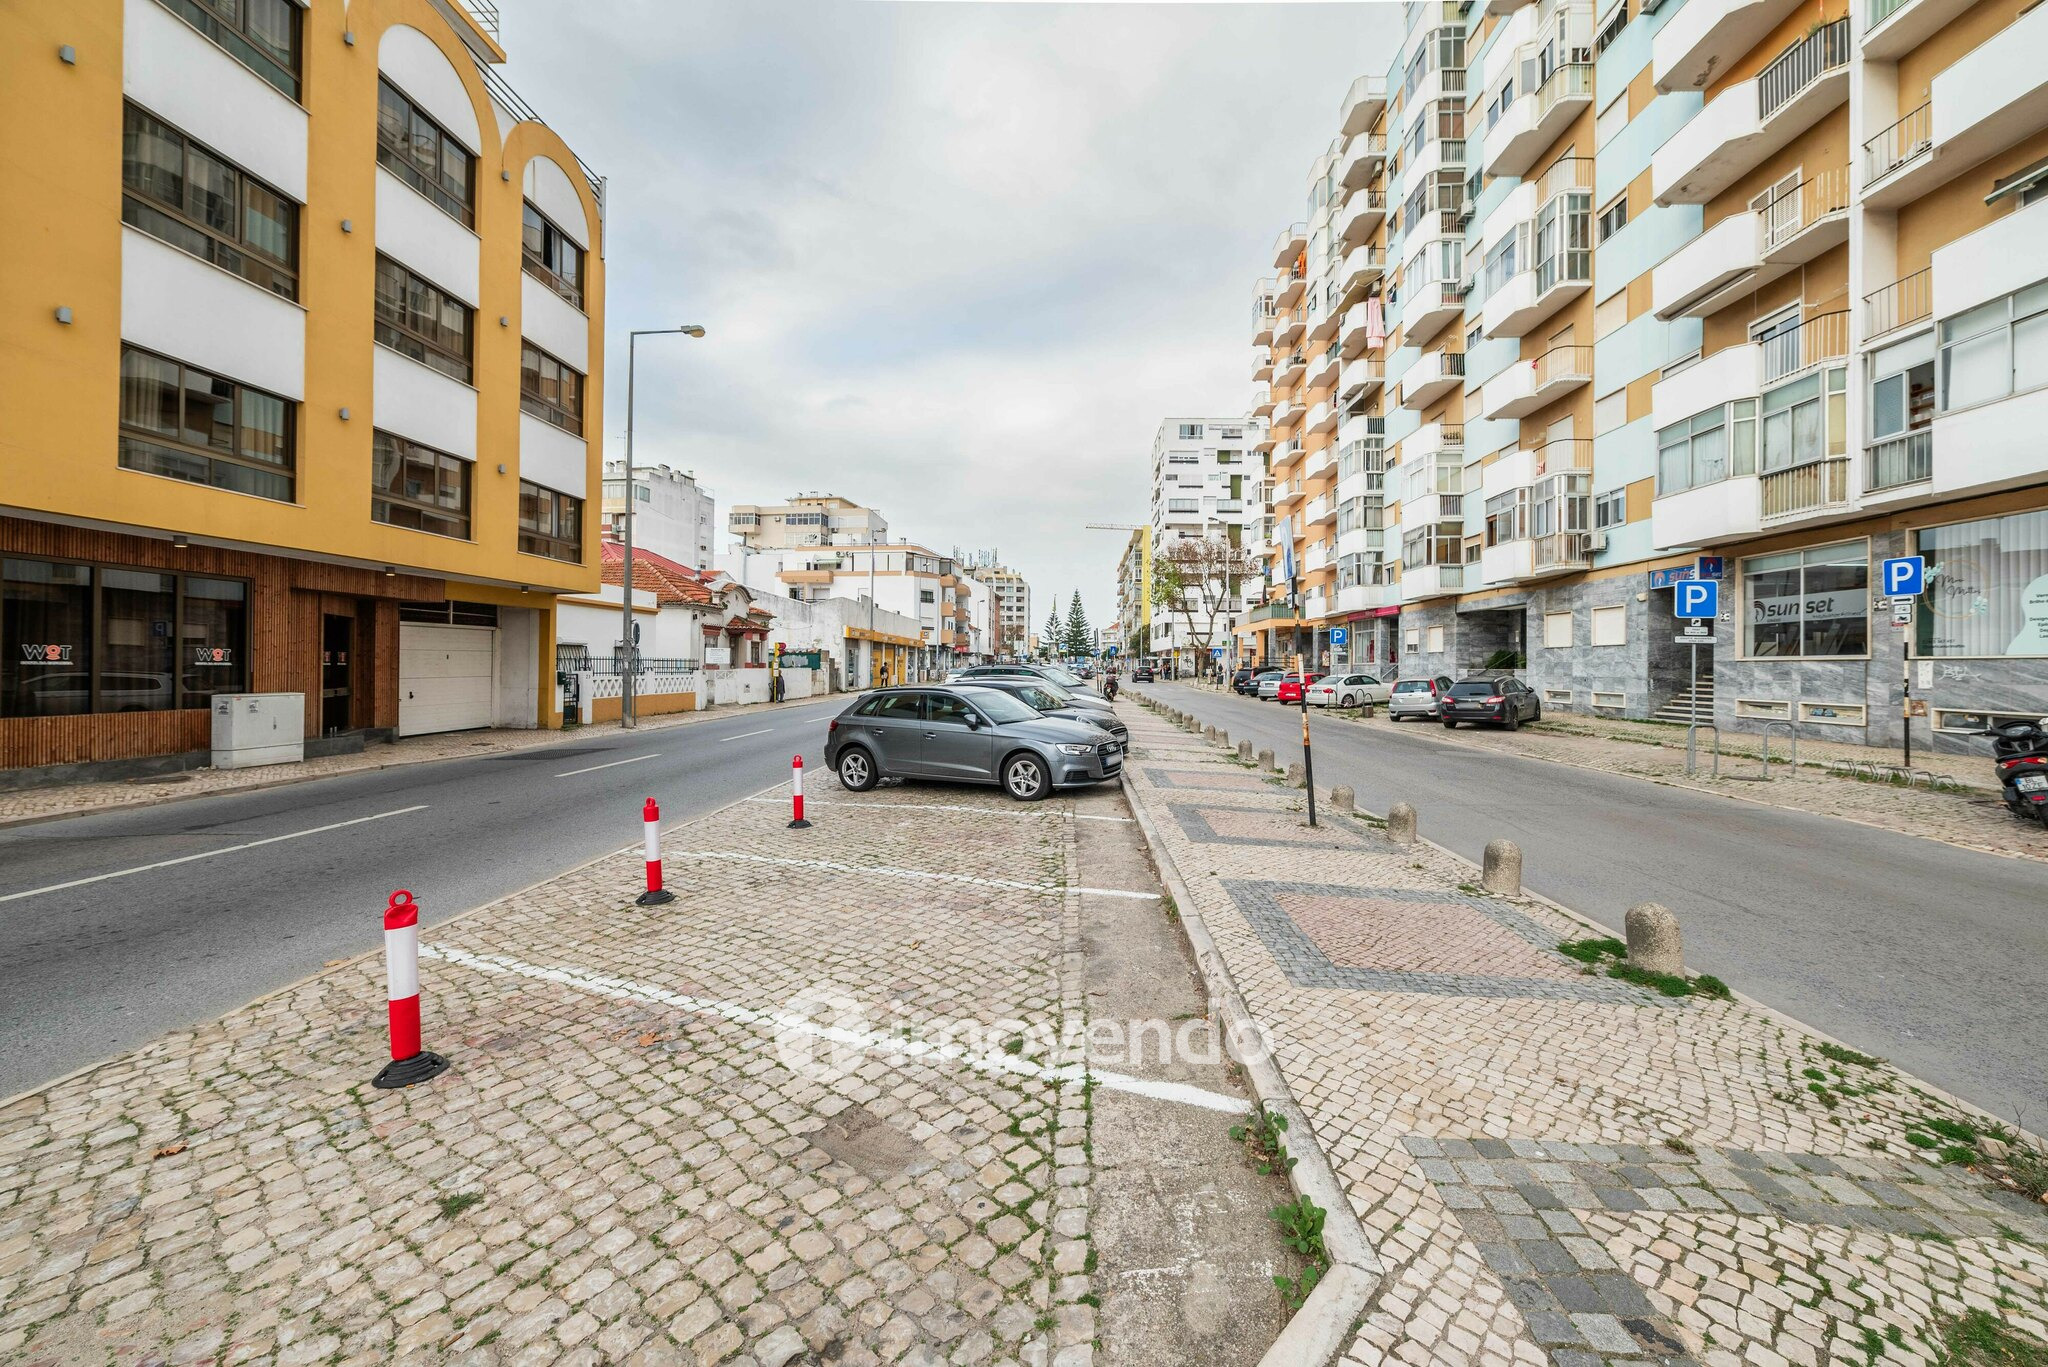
(337,668)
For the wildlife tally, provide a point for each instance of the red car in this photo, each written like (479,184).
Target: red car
(1290,687)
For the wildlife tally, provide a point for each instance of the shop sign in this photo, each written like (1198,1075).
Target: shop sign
(1810,607)
(45,654)
(213,656)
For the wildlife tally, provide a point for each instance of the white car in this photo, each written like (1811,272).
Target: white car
(1348,690)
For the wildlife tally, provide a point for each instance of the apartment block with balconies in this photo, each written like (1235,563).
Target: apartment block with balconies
(1208,482)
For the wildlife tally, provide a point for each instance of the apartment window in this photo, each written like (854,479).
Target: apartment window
(1610,26)
(78,639)
(1183,505)
(1557,630)
(1901,414)
(1610,626)
(1811,603)
(190,424)
(1610,412)
(552,256)
(1610,510)
(262,35)
(420,152)
(1183,458)
(1984,583)
(417,487)
(550,390)
(1507,517)
(423,321)
(181,193)
(1995,349)
(550,523)
(1804,421)
(1191,431)
(1613,219)
(1698,451)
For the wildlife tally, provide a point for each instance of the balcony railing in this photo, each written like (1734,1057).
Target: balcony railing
(1805,488)
(1564,454)
(1898,144)
(1794,210)
(1564,363)
(1905,459)
(1826,48)
(1905,301)
(1567,82)
(1565,174)
(1561,549)
(1819,339)
(1881,10)
(1450,506)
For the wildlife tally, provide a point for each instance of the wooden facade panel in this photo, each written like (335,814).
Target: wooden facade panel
(26,742)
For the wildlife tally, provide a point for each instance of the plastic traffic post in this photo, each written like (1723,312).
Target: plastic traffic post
(796,779)
(409,1063)
(656,894)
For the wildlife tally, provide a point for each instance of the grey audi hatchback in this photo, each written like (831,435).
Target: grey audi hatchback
(963,734)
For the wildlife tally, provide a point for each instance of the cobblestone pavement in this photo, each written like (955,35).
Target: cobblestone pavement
(37,804)
(1558,1167)
(627,1162)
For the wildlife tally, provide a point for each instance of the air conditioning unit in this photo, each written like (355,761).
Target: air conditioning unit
(1599,543)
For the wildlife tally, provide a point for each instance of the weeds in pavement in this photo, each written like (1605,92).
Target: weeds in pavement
(1837,1054)
(1263,1135)
(452,1206)
(1592,951)
(1301,1226)
(1613,955)
(1979,1338)
(1677,1145)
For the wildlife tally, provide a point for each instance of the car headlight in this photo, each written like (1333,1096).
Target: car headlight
(1077,749)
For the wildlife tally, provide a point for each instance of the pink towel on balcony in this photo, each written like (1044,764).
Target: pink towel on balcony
(1375,324)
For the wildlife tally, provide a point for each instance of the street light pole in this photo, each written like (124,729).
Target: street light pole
(628,656)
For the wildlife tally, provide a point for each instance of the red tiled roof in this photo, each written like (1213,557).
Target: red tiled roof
(666,579)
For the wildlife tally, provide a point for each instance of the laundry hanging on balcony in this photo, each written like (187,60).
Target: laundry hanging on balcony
(1375,324)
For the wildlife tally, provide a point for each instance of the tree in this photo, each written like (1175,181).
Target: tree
(1053,639)
(1080,641)
(1201,582)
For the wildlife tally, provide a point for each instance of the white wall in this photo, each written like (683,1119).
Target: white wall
(168,69)
(553,324)
(552,458)
(419,68)
(417,235)
(420,402)
(191,311)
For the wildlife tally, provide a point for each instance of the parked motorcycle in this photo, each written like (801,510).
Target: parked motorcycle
(2019,752)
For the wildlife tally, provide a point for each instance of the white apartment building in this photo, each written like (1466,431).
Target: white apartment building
(806,520)
(900,576)
(675,516)
(1208,483)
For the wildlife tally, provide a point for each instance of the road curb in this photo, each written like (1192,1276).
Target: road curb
(1321,1330)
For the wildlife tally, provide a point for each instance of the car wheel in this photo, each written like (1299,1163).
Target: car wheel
(1514,719)
(1536,712)
(1450,725)
(1024,778)
(857,771)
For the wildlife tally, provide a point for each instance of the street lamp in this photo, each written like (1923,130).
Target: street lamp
(630,657)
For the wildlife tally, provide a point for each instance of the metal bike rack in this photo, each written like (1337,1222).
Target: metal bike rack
(1692,739)
(1792,734)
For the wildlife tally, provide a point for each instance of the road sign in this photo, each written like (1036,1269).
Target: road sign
(1697,598)
(1904,576)
(1710,567)
(1902,612)
(1339,635)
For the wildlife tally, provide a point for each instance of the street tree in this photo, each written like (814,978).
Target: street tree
(1052,640)
(1080,642)
(1199,581)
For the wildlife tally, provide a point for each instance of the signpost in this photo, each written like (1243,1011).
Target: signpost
(1904,578)
(1696,602)
(1308,760)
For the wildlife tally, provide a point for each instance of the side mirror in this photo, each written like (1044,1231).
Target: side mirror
(974,721)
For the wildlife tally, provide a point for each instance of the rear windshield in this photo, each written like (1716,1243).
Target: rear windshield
(1412,686)
(1474,688)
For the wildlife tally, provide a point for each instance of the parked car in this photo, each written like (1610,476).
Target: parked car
(1050,673)
(1053,701)
(1246,680)
(1142,674)
(1347,690)
(1291,686)
(1501,699)
(1269,684)
(1418,698)
(964,734)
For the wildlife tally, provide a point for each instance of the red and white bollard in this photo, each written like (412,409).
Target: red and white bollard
(409,1063)
(796,779)
(656,894)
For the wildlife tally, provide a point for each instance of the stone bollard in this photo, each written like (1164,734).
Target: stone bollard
(1341,799)
(1653,939)
(1265,760)
(1244,751)
(1401,824)
(1296,775)
(1223,738)
(1209,733)
(1502,871)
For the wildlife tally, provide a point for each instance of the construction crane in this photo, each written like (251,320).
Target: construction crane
(1116,526)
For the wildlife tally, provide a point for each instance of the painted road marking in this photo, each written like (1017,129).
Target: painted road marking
(624,989)
(885,871)
(935,807)
(571,773)
(207,854)
(744,734)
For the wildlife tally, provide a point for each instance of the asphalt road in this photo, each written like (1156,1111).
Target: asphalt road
(101,966)
(1932,956)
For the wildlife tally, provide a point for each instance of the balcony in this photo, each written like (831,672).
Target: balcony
(1287,293)
(1322,371)
(1262,401)
(1429,308)
(1262,316)
(1354,598)
(1362,540)
(1904,302)
(1526,386)
(1321,556)
(1989,100)
(1433,509)
(1817,341)
(1433,375)
(1363,104)
(1287,495)
(1320,511)
(1896,27)
(1322,320)
(1707,36)
(1361,160)
(1262,363)
(1430,439)
(1898,462)
(1352,330)
(1560,553)
(1817,487)
(1321,462)
(1322,417)
(1263,443)
(1293,240)
(1422,582)
(1288,410)
(1287,331)
(1437,154)
(1362,266)
(1520,306)
(1363,211)
(1537,118)
(1730,260)
(1357,379)
(1315,604)
(1290,368)
(1751,119)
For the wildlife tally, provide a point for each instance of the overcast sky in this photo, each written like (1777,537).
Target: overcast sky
(956,260)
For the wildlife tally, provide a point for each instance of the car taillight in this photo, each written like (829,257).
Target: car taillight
(1496,698)
(831,726)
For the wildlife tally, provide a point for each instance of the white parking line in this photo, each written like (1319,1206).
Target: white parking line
(936,807)
(571,773)
(207,854)
(886,871)
(744,734)
(624,989)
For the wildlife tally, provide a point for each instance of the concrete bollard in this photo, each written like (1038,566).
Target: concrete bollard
(1401,824)
(1223,738)
(1342,799)
(1296,775)
(1209,733)
(1265,759)
(1653,939)
(1502,871)
(1244,751)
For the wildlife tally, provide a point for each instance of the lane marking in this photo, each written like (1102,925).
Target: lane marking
(207,854)
(571,773)
(933,807)
(624,989)
(887,871)
(744,734)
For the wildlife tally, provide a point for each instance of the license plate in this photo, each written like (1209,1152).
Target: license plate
(2033,783)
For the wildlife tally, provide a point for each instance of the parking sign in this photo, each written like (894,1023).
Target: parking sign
(1904,576)
(1697,598)
(1339,635)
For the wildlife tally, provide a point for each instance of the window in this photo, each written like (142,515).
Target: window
(1436,641)
(1610,625)
(76,639)
(1613,219)
(1609,27)
(1191,431)
(179,192)
(423,321)
(188,424)
(262,35)
(926,596)
(1700,451)
(947,709)
(1610,510)
(419,152)
(550,523)
(1557,630)
(1811,603)
(1995,349)
(418,487)
(1507,517)
(1987,588)
(1804,421)
(457,613)
(552,256)
(1610,412)
(550,390)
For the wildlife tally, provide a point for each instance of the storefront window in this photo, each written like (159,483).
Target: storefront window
(1987,588)
(1813,603)
(46,637)
(211,657)
(137,611)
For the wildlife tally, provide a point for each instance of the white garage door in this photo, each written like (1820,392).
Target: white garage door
(447,677)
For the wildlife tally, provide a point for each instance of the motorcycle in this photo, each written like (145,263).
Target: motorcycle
(2019,752)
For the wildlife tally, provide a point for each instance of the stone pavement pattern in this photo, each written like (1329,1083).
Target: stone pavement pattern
(1563,1168)
(621,1165)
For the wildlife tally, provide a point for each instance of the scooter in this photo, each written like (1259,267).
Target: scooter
(2019,752)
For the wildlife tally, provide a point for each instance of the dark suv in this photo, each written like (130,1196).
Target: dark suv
(1246,680)
(1501,699)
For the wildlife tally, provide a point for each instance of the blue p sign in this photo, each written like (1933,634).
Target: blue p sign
(1905,577)
(1339,635)
(1697,597)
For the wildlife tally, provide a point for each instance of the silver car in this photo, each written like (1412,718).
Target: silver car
(1053,701)
(1347,690)
(1418,698)
(963,734)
